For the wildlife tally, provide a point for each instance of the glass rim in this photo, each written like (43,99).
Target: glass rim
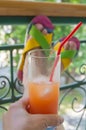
(42,50)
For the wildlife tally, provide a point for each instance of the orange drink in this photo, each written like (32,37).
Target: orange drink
(42,92)
(44,97)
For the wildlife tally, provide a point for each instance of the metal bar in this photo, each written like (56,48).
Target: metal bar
(26,19)
(11,47)
(9,100)
(11,73)
(20,46)
(73,85)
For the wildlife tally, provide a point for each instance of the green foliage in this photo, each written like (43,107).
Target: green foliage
(18,33)
(61,31)
(79,59)
(46,0)
(12,34)
(67,1)
(74,1)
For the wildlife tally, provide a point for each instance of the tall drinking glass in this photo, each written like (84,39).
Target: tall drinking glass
(43,93)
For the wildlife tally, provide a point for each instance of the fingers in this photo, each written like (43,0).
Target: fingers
(23,102)
(54,120)
(51,120)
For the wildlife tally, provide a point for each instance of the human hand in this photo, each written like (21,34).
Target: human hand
(17,118)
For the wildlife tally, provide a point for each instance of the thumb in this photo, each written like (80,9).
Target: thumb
(51,120)
(23,102)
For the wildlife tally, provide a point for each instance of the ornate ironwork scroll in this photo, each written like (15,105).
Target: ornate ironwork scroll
(77,92)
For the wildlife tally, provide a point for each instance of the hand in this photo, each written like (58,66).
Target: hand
(17,118)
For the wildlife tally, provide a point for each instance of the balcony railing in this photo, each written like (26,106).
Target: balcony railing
(11,90)
(73,94)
